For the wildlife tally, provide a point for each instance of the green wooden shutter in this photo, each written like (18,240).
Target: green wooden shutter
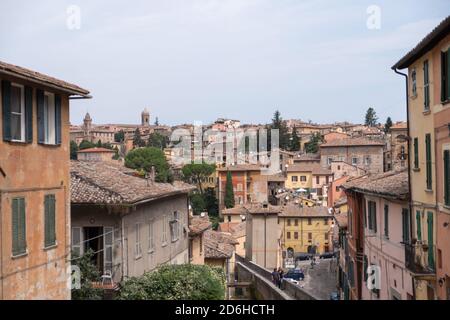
(49,216)
(6,110)
(416,152)
(428,158)
(448,74)
(28,114)
(365,266)
(386,220)
(40,115)
(426,85)
(18,226)
(405,225)
(430,240)
(418,225)
(447,177)
(57,119)
(444,76)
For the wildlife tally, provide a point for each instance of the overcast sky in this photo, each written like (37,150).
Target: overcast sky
(197,60)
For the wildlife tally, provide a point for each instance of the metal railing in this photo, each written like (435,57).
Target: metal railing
(420,258)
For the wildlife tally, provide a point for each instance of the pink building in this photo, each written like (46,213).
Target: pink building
(386,226)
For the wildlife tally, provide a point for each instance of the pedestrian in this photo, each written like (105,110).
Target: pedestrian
(275,276)
(281,275)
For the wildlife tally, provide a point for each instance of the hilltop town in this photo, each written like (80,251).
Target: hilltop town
(295,209)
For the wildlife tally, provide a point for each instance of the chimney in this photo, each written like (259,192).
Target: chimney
(152,174)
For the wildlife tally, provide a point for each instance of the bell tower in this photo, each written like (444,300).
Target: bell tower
(145,118)
(87,124)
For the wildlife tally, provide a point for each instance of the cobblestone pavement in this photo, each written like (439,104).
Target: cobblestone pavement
(320,279)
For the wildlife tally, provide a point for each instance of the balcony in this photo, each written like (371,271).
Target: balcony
(419,259)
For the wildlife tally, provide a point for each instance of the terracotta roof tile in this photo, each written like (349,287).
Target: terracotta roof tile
(353,142)
(198,224)
(95,150)
(218,245)
(305,211)
(34,76)
(109,183)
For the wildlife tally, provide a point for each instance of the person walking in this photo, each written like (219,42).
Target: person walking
(281,275)
(275,276)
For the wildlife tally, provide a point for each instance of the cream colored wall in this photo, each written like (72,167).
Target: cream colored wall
(198,256)
(298,184)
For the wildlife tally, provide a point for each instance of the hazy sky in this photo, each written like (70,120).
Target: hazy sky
(197,60)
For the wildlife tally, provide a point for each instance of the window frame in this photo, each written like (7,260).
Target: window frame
(51,241)
(426,85)
(49,118)
(17,247)
(137,241)
(21,114)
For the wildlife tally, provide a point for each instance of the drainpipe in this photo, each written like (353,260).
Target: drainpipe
(409,162)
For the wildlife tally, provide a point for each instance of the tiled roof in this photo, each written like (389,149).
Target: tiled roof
(108,183)
(399,125)
(226,226)
(239,230)
(438,33)
(307,157)
(242,167)
(95,150)
(218,245)
(341,201)
(341,220)
(314,168)
(198,224)
(352,142)
(40,78)
(236,210)
(390,184)
(305,211)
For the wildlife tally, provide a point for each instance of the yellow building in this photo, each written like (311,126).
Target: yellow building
(197,226)
(299,176)
(306,229)
(426,79)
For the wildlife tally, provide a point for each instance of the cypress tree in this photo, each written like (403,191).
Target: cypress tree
(229,193)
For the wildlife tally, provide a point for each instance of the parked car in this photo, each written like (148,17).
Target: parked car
(304,256)
(327,255)
(295,274)
(335,296)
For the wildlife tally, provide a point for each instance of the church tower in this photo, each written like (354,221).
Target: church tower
(87,124)
(145,118)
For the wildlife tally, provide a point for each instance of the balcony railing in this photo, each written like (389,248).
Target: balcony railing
(419,258)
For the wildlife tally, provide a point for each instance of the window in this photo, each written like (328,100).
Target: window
(19,243)
(309,236)
(309,221)
(49,221)
(288,222)
(296,222)
(164,230)
(414,83)
(229,218)
(339,167)
(372,215)
(327,179)
(428,160)
(137,242)
(367,160)
(288,235)
(303,178)
(439,258)
(108,240)
(386,221)
(77,240)
(239,187)
(445,74)
(175,226)
(294,178)
(405,225)
(416,153)
(329,160)
(17,113)
(296,235)
(354,161)
(325,221)
(151,240)
(426,86)
(447,177)
(418,225)
(49,118)
(317,179)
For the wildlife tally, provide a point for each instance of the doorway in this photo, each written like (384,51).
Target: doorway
(94,242)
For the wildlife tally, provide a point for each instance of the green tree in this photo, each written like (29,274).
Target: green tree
(212,205)
(197,173)
(388,125)
(88,273)
(137,140)
(73,150)
(119,136)
(280,124)
(86,145)
(371,117)
(229,193)
(295,140)
(157,140)
(176,282)
(198,203)
(99,144)
(313,145)
(144,158)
